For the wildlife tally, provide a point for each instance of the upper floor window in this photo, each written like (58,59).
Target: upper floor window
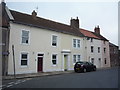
(91,39)
(92,49)
(54,40)
(98,49)
(25,37)
(76,43)
(104,50)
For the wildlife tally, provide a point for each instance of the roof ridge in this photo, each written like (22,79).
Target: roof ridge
(86,30)
(41,18)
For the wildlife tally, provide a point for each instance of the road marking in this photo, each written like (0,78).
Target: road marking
(12,83)
(9,85)
(23,81)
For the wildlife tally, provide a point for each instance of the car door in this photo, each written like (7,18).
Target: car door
(89,66)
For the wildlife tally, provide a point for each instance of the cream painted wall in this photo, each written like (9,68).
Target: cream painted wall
(40,42)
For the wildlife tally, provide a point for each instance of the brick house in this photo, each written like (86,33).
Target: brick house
(114,55)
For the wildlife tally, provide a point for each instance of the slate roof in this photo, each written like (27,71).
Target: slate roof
(39,22)
(26,19)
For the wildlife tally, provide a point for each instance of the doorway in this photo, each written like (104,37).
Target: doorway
(40,63)
(65,62)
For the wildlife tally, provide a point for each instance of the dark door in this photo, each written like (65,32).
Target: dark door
(40,64)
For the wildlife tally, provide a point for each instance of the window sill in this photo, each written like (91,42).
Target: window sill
(54,65)
(25,44)
(25,66)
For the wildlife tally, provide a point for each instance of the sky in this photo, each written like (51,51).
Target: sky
(90,14)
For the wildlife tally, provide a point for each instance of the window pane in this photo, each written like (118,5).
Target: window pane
(40,54)
(54,61)
(25,36)
(54,40)
(25,33)
(24,56)
(23,62)
(74,58)
(105,61)
(92,60)
(98,49)
(78,57)
(92,49)
(78,43)
(74,42)
(24,40)
(53,56)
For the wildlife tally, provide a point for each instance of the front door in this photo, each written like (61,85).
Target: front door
(40,64)
(65,62)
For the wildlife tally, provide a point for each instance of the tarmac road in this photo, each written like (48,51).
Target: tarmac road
(107,78)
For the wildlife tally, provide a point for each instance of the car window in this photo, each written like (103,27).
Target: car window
(79,62)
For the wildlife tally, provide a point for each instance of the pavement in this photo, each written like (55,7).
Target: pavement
(32,75)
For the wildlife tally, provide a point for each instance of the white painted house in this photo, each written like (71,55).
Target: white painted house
(42,45)
(96,48)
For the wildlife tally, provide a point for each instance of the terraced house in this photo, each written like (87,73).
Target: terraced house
(42,45)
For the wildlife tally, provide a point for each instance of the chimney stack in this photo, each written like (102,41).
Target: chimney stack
(74,23)
(34,14)
(97,30)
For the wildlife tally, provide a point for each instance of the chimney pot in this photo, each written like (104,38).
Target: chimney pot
(34,14)
(74,22)
(97,30)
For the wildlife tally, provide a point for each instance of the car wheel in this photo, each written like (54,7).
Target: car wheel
(84,70)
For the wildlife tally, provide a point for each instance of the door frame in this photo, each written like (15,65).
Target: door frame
(68,61)
(37,60)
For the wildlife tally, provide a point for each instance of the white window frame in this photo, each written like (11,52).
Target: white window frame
(105,61)
(76,57)
(52,59)
(28,37)
(56,40)
(104,49)
(92,60)
(91,49)
(76,45)
(24,52)
(99,50)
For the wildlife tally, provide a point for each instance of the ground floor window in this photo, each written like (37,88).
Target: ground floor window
(105,61)
(92,60)
(24,59)
(76,58)
(54,59)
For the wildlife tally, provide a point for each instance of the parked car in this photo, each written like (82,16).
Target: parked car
(84,66)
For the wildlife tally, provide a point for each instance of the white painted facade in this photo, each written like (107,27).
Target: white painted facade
(40,42)
(98,56)
(65,53)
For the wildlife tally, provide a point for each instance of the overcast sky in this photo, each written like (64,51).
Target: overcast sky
(90,14)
